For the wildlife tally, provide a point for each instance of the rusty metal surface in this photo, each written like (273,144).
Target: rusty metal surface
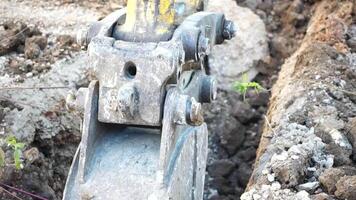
(138,98)
(135,98)
(117,162)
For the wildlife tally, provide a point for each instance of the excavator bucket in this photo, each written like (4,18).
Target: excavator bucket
(143,133)
(122,162)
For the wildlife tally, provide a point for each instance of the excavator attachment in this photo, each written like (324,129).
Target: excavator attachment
(143,132)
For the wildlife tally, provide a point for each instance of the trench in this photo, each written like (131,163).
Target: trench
(235,123)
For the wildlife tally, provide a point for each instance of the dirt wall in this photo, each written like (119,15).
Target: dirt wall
(309,126)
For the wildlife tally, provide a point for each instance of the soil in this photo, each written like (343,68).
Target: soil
(35,43)
(235,123)
(307,145)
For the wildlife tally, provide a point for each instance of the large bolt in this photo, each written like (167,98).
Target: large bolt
(229,30)
(208,89)
(194,113)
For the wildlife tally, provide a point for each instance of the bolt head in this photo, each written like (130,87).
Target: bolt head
(208,90)
(213,89)
(195,113)
(204,45)
(229,30)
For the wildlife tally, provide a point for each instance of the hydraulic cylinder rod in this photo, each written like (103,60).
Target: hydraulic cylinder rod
(154,20)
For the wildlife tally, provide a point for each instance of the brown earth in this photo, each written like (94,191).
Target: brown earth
(311,114)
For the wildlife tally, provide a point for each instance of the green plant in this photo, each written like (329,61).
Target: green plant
(244,85)
(17,147)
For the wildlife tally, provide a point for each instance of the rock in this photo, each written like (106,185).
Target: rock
(34,45)
(65,40)
(340,146)
(310,187)
(343,155)
(244,171)
(258,99)
(32,50)
(302,195)
(279,46)
(290,154)
(16,34)
(247,154)
(232,136)
(256,196)
(346,188)
(3,62)
(330,177)
(265,192)
(321,196)
(275,186)
(222,185)
(351,38)
(32,155)
(41,41)
(351,135)
(221,168)
(329,129)
(11,43)
(270,177)
(243,112)
(240,55)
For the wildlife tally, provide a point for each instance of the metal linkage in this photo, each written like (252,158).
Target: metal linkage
(144,135)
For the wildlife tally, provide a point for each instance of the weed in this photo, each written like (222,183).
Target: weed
(17,147)
(244,85)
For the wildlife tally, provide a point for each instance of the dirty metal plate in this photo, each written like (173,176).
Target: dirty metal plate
(125,163)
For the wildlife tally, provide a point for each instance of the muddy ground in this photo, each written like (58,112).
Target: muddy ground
(37,49)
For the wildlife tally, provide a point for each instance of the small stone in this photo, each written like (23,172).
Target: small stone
(244,171)
(310,187)
(322,196)
(270,177)
(351,135)
(346,188)
(275,186)
(265,171)
(41,41)
(302,195)
(340,139)
(243,112)
(256,196)
(330,177)
(32,50)
(221,168)
(312,169)
(29,75)
(32,154)
(281,157)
